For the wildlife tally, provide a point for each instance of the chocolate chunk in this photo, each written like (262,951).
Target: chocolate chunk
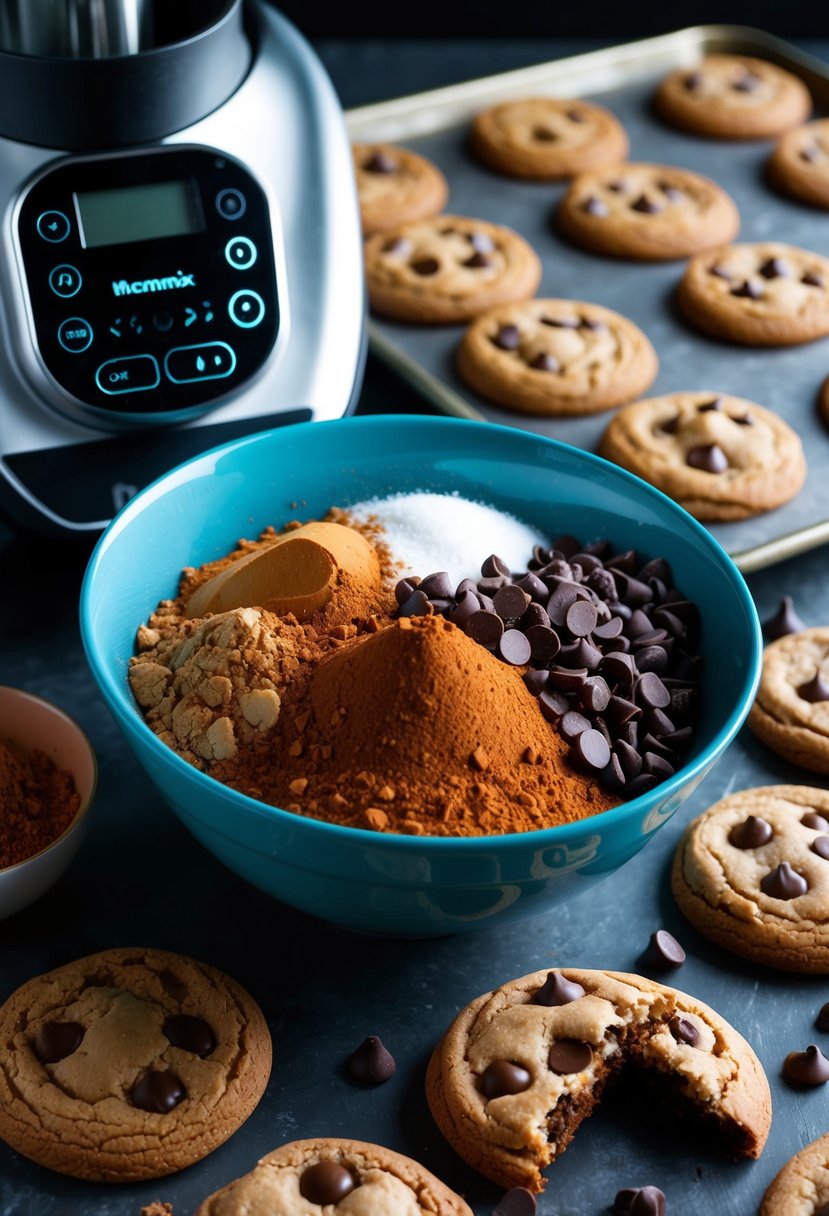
(544,135)
(495,566)
(545,363)
(820,845)
(425,266)
(569,1056)
(812,279)
(646,205)
(822,1019)
(544,642)
(752,833)
(784,883)
(507,337)
(572,725)
(640,1201)
(514,648)
(747,290)
(510,602)
(503,1077)
(581,618)
(552,705)
(190,1034)
(371,1063)
(478,261)
(720,272)
(709,457)
(784,621)
(517,1202)
(437,586)
(592,748)
(683,1030)
(486,628)
(380,162)
(809,1067)
(326,1182)
(775,268)
(595,206)
(815,821)
(536,681)
(55,1041)
(158,1092)
(651,693)
(398,244)
(814,690)
(663,952)
(556,990)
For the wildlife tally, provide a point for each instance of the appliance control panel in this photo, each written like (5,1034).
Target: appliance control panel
(150,279)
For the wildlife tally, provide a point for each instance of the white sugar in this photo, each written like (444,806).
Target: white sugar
(431,532)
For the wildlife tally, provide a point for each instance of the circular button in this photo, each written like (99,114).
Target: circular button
(65,281)
(240,252)
(163,321)
(246,309)
(231,204)
(75,335)
(53,226)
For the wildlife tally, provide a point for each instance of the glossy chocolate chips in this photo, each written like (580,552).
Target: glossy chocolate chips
(663,952)
(190,1034)
(158,1092)
(752,833)
(327,1182)
(640,1201)
(503,1077)
(784,883)
(814,690)
(822,1019)
(683,1030)
(55,1041)
(556,990)
(807,1068)
(517,1202)
(784,621)
(371,1063)
(569,1056)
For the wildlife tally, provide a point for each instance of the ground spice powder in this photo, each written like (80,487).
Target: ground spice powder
(38,801)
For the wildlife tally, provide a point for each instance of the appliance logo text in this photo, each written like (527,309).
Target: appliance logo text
(139,287)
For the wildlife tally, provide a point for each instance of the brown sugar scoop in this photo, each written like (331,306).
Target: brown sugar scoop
(296,574)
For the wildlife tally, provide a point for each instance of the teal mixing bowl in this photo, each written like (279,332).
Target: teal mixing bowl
(405,885)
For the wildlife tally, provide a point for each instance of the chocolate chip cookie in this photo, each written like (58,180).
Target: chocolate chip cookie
(556,357)
(129,1064)
(719,457)
(448,269)
(764,294)
(801,1188)
(318,1175)
(521,1067)
(733,97)
(799,164)
(647,212)
(752,873)
(546,138)
(396,186)
(791,711)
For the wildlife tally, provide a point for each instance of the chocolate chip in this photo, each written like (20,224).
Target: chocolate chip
(464,608)
(326,1182)
(784,883)
(517,1202)
(510,602)
(709,457)
(371,1063)
(425,266)
(552,705)
(478,261)
(715,404)
(503,1077)
(593,324)
(618,187)
(812,279)
(190,1034)
(514,648)
(646,205)
(380,162)
(663,952)
(55,1041)
(398,244)
(752,833)
(481,242)
(692,81)
(810,153)
(437,586)
(581,618)
(640,1201)
(576,116)
(784,621)
(775,268)
(592,748)
(561,322)
(158,1092)
(581,654)
(683,1030)
(620,667)
(747,83)
(813,820)
(747,290)
(609,629)
(544,135)
(416,605)
(809,1067)
(720,272)
(485,627)
(545,363)
(569,1056)
(594,694)
(652,658)
(595,206)
(822,1019)
(507,337)
(651,693)
(494,566)
(744,420)
(538,592)
(556,990)
(544,642)
(814,690)
(672,193)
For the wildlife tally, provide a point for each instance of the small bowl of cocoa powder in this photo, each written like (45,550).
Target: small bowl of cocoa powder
(47,782)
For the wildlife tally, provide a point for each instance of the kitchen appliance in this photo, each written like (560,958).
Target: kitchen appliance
(181,256)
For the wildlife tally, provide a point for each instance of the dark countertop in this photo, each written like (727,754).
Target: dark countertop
(141,879)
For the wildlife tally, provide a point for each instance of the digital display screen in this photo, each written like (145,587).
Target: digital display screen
(139,213)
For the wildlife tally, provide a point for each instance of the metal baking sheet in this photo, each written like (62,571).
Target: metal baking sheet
(623,78)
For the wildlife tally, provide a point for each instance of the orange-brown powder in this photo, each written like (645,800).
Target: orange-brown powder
(38,801)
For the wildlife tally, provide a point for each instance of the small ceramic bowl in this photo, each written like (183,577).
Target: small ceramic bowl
(412,885)
(33,723)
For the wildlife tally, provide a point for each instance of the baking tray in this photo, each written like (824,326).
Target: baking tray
(436,123)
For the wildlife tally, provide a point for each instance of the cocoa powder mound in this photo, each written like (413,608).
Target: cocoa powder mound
(38,801)
(416,729)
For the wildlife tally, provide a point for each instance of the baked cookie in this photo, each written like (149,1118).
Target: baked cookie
(521,1067)
(801,1187)
(396,186)
(719,457)
(129,1064)
(448,269)
(760,295)
(791,710)
(545,138)
(752,873)
(733,97)
(799,163)
(556,357)
(647,212)
(310,1176)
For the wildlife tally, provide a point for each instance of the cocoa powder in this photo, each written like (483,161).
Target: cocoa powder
(38,801)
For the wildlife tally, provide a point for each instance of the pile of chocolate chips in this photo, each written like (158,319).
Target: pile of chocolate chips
(610,647)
